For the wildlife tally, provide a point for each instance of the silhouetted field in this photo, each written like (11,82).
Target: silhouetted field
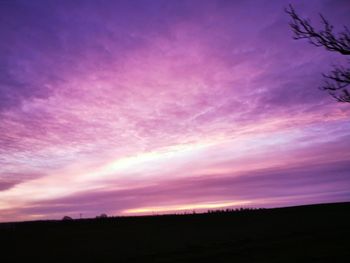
(317,233)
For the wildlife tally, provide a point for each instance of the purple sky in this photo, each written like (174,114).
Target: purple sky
(140,107)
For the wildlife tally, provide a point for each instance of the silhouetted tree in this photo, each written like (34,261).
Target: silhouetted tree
(337,81)
(102,216)
(67,218)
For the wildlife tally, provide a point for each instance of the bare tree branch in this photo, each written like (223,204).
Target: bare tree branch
(337,81)
(302,28)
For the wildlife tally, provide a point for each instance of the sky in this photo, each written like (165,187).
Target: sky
(156,106)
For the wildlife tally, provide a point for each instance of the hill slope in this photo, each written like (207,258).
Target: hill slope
(316,233)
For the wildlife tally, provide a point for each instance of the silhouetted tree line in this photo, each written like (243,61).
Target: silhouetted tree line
(68,218)
(193,212)
(233,210)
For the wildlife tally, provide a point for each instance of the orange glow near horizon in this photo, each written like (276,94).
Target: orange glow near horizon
(185,207)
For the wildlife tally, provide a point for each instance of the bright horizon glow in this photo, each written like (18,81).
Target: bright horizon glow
(186,207)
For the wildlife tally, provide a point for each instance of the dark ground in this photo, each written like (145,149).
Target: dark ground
(317,233)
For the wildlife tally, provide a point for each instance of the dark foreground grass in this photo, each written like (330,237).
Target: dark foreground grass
(317,233)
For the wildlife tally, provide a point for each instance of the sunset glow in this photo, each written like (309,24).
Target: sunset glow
(183,208)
